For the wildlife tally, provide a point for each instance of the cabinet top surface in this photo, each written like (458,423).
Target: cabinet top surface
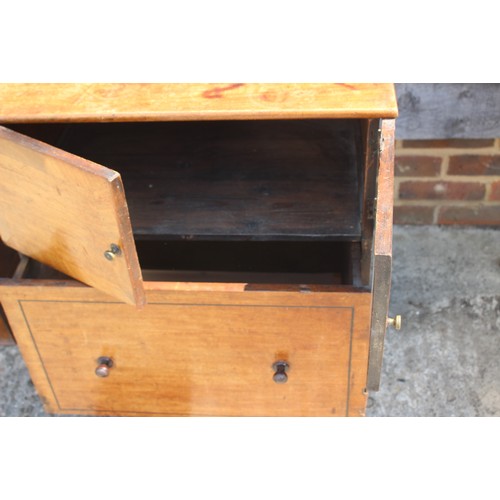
(80,102)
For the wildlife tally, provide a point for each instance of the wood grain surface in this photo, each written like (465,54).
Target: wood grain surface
(194,352)
(382,254)
(198,101)
(66,212)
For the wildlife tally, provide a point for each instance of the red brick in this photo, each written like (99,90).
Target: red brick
(495,191)
(474,165)
(413,215)
(435,190)
(450,143)
(471,216)
(417,166)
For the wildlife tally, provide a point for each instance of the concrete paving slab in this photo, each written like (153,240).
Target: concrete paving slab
(446,359)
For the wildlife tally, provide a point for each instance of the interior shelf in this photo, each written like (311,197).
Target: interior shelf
(231,180)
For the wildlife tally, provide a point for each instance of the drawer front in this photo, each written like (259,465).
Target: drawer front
(193,357)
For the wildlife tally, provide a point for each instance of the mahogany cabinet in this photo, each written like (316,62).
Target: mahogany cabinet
(198,249)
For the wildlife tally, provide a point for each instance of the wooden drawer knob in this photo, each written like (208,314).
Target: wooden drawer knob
(104,365)
(112,252)
(280,368)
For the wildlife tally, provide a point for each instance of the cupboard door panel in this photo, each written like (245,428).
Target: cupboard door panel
(68,213)
(382,254)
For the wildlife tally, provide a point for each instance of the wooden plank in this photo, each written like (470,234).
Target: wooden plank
(382,254)
(448,110)
(221,180)
(66,212)
(194,353)
(199,101)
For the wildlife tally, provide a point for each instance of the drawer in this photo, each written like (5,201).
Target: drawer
(196,352)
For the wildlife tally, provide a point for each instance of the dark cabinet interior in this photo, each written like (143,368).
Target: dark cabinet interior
(273,201)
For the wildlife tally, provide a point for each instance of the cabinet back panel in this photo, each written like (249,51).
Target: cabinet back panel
(260,180)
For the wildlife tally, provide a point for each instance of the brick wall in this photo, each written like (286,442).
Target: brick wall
(453,181)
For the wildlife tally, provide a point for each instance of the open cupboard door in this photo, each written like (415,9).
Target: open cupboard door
(382,254)
(68,213)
